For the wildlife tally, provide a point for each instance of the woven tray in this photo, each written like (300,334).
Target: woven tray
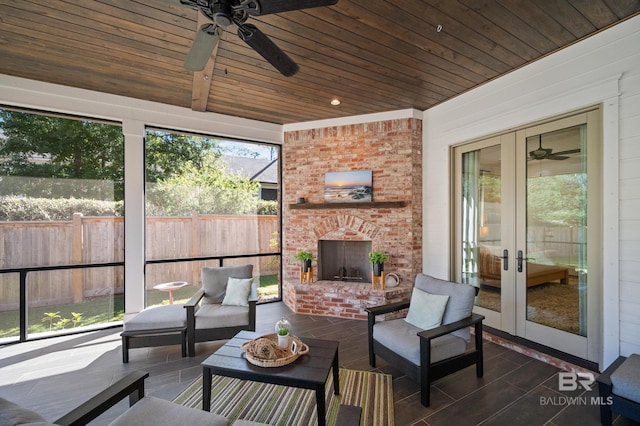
(286,356)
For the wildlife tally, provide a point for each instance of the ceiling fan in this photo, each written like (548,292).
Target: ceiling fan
(547,153)
(223,13)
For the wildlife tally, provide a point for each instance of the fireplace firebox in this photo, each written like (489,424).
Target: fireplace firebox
(341,260)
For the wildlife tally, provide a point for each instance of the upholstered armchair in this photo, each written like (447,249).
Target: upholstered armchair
(431,342)
(225,305)
(143,410)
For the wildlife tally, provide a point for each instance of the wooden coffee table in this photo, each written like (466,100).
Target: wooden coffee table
(310,371)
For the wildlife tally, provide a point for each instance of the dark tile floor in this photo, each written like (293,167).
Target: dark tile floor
(54,375)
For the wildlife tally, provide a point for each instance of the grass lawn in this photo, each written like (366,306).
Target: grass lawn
(102,310)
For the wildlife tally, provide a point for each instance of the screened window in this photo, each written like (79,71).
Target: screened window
(209,202)
(61,218)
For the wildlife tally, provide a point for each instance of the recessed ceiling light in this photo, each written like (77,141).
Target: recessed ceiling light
(335,101)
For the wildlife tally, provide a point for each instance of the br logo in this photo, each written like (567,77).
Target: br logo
(570,381)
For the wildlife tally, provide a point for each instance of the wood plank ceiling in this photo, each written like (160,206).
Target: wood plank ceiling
(373,55)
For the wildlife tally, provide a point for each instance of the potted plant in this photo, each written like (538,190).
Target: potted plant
(282,331)
(304,256)
(378,258)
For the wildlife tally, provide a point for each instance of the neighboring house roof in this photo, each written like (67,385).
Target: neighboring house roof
(259,169)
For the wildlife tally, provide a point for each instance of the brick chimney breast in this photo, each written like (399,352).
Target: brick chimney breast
(392,151)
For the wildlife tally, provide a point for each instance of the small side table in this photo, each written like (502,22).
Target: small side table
(170,287)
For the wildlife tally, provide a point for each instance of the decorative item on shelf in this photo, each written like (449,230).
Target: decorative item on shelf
(301,200)
(306,270)
(377,259)
(282,331)
(391,280)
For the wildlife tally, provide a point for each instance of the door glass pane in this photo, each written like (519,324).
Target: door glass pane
(556,229)
(481,224)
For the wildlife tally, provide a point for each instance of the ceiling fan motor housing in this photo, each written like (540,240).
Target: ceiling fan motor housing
(222,13)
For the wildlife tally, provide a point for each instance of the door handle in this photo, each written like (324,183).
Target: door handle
(505,259)
(520,259)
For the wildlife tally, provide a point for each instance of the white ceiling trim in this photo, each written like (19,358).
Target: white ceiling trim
(355,119)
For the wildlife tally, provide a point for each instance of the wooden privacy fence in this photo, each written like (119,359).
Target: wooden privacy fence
(86,240)
(213,235)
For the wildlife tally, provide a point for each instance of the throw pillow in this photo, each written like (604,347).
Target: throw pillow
(215,279)
(460,304)
(237,293)
(426,309)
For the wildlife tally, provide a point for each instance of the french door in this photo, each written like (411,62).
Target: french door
(527,206)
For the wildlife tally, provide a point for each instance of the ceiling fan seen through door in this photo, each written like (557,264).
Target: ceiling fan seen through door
(548,154)
(223,13)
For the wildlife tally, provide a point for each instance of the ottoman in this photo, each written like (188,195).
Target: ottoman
(155,326)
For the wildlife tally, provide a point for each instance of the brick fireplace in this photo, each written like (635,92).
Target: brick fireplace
(392,150)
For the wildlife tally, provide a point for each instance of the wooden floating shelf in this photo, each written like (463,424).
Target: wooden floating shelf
(372,205)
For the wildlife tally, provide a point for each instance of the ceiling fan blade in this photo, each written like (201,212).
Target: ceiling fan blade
(267,7)
(207,38)
(262,44)
(556,157)
(570,151)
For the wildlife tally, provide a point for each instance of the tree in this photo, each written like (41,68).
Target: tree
(53,147)
(50,148)
(559,200)
(207,188)
(184,172)
(167,154)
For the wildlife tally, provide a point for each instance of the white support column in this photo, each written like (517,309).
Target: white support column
(610,342)
(134,218)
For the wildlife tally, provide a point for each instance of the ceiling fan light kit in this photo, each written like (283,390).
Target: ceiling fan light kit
(224,13)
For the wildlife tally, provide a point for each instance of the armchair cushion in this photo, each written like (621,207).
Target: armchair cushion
(401,337)
(157,317)
(165,413)
(214,281)
(12,414)
(219,316)
(460,302)
(625,379)
(426,309)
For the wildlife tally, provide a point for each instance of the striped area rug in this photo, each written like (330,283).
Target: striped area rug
(282,405)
